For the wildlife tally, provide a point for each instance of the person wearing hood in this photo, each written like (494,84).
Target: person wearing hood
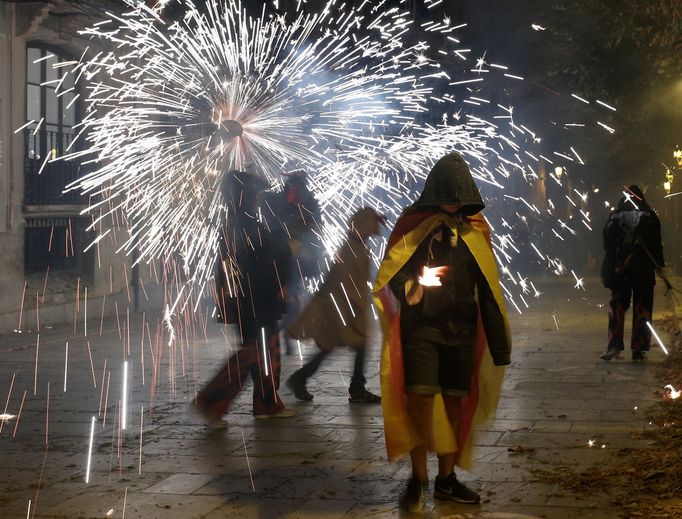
(251,294)
(633,253)
(294,215)
(446,336)
(338,314)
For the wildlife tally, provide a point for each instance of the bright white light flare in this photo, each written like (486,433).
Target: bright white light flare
(674,393)
(430,276)
(658,339)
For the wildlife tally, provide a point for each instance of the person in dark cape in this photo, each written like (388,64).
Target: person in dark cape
(446,337)
(633,254)
(252,266)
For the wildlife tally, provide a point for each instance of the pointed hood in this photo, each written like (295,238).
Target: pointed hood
(634,200)
(450,183)
(366,222)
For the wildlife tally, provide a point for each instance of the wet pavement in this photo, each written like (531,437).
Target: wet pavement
(326,462)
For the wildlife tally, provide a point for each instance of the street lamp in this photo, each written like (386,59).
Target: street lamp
(558,171)
(668,184)
(669,175)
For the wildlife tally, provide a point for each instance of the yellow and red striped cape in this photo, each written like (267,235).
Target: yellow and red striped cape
(410,230)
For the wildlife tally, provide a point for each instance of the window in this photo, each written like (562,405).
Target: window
(50,98)
(55,240)
(52,111)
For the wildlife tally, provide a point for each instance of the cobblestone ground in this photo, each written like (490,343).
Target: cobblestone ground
(329,460)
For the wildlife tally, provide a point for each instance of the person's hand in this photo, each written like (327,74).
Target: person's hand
(430,276)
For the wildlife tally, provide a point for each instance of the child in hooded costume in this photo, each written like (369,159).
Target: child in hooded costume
(634,252)
(337,315)
(445,331)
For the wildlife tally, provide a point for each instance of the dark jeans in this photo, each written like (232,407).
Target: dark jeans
(642,296)
(357,383)
(215,398)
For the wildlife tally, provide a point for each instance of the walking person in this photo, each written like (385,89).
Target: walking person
(337,315)
(294,215)
(633,254)
(445,330)
(256,300)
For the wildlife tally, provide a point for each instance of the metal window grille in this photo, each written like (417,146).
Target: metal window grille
(57,243)
(47,186)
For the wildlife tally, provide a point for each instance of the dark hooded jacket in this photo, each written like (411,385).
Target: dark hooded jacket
(632,242)
(293,216)
(448,314)
(258,281)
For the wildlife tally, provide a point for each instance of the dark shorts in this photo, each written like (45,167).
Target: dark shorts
(432,368)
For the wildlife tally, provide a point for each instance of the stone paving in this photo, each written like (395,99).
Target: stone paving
(329,460)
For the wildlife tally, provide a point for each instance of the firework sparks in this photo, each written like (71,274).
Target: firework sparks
(658,339)
(92,439)
(124,398)
(579,282)
(248,462)
(674,394)
(341,93)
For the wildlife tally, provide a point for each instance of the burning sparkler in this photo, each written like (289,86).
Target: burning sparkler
(430,276)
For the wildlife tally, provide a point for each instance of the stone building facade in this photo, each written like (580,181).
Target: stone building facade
(45,272)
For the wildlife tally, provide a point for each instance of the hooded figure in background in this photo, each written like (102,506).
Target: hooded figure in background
(633,253)
(251,294)
(338,314)
(294,216)
(445,331)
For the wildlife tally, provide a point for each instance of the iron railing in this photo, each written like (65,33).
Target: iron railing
(56,242)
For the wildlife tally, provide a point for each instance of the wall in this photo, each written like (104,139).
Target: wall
(58,297)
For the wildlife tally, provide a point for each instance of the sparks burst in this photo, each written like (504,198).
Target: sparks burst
(170,106)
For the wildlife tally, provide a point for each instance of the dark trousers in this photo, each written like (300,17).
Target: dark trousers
(642,296)
(215,398)
(357,383)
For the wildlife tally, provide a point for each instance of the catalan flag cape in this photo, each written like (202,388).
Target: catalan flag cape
(410,230)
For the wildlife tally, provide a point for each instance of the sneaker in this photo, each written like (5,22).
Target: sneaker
(365,397)
(452,490)
(412,498)
(638,355)
(298,389)
(610,353)
(284,413)
(211,421)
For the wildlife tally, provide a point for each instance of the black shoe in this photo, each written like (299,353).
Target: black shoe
(364,397)
(638,355)
(610,353)
(412,498)
(298,389)
(451,489)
